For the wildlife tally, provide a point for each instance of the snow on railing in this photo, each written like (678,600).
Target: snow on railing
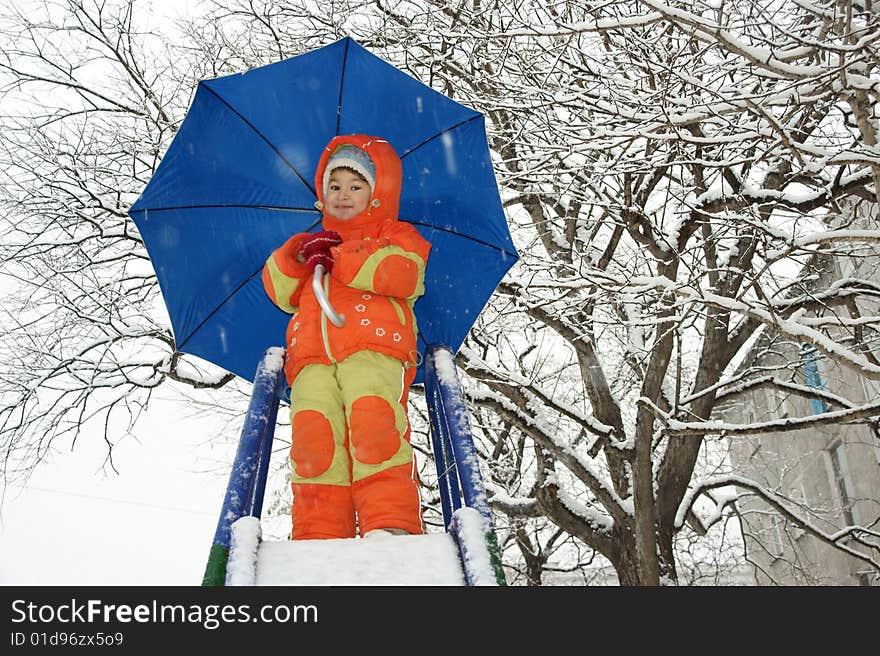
(458,470)
(241,569)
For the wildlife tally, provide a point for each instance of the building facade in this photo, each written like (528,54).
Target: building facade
(825,477)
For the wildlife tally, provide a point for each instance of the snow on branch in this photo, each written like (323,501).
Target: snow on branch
(712,202)
(763,57)
(194,377)
(731,389)
(839,289)
(827,237)
(562,28)
(549,438)
(509,505)
(837,539)
(676,428)
(790,327)
(477,365)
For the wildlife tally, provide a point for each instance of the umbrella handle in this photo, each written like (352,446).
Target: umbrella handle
(337,320)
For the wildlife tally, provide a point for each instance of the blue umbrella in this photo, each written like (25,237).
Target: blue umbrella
(237,181)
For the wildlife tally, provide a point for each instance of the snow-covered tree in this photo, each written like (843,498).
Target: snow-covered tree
(91,97)
(670,170)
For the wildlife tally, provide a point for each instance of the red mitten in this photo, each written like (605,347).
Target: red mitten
(315,250)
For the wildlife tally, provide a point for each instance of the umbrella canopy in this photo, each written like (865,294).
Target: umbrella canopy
(237,181)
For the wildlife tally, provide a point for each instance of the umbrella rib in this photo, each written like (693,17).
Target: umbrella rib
(341,85)
(280,208)
(261,135)
(228,296)
(442,132)
(180,345)
(482,242)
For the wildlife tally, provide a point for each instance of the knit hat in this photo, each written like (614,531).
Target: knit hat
(351,157)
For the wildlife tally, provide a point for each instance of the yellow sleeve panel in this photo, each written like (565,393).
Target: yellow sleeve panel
(392,271)
(391,265)
(283,275)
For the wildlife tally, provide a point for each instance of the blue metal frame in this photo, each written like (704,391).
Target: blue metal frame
(458,475)
(247,480)
(444,458)
(457,461)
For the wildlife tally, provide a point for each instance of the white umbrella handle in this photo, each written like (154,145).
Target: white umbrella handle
(337,320)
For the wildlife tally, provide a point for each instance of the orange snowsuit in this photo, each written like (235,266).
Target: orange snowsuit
(353,466)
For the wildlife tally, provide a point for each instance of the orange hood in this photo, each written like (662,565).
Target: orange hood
(385,200)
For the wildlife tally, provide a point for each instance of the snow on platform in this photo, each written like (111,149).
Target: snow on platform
(430,559)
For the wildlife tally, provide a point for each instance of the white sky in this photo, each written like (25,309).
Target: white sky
(151,524)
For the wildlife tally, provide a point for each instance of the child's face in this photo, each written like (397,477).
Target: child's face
(348,194)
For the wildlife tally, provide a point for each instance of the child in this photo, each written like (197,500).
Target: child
(353,466)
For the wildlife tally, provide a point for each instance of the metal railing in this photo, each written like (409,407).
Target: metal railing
(458,465)
(247,480)
(458,473)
